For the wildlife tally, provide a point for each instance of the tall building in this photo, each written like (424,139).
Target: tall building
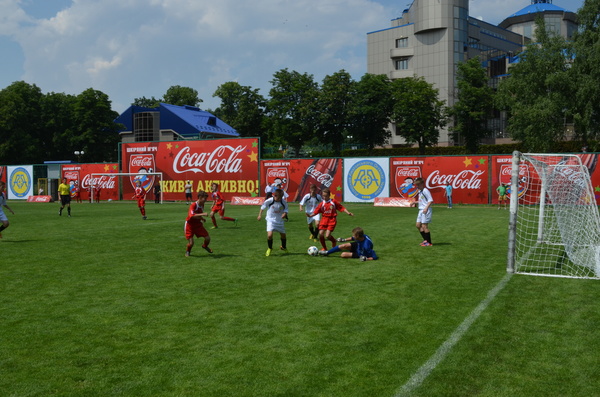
(433,36)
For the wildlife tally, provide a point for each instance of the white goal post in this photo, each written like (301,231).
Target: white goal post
(141,175)
(554,227)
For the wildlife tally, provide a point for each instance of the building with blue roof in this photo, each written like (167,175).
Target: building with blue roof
(169,122)
(432,37)
(558,20)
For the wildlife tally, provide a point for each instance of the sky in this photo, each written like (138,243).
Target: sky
(139,48)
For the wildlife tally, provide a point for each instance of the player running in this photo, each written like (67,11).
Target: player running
(310,202)
(3,217)
(424,218)
(277,209)
(329,209)
(218,207)
(194,224)
(140,195)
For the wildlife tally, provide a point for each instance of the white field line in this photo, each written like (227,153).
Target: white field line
(423,372)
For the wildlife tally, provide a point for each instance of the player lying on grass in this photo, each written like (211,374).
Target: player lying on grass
(194,224)
(360,246)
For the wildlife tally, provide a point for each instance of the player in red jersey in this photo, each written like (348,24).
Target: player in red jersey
(194,226)
(140,195)
(218,206)
(329,209)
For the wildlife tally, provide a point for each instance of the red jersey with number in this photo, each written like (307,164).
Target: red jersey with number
(194,226)
(329,210)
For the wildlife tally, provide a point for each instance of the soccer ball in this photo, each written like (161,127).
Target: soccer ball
(313,251)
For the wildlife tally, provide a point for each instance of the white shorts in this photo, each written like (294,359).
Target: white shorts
(3,217)
(316,218)
(424,217)
(275,227)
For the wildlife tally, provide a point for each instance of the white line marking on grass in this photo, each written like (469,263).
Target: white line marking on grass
(423,372)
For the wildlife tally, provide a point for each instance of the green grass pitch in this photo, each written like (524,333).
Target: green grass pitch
(105,304)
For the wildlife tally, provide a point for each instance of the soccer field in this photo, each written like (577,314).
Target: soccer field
(106,304)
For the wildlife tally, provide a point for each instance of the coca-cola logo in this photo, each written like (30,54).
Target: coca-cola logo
(410,172)
(72,175)
(321,177)
(141,161)
(276,173)
(101,181)
(224,159)
(466,179)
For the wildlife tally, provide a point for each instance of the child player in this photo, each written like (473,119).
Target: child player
(359,245)
(277,209)
(310,202)
(218,206)
(194,226)
(424,218)
(140,195)
(3,218)
(328,208)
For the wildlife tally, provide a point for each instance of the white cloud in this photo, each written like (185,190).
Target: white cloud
(135,48)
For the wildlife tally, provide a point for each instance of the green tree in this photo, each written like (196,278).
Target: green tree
(538,91)
(586,72)
(371,111)
(96,132)
(292,107)
(146,102)
(475,102)
(180,96)
(241,107)
(335,108)
(417,112)
(59,123)
(21,132)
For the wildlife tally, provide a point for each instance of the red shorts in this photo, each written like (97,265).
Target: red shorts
(218,208)
(327,224)
(141,203)
(195,229)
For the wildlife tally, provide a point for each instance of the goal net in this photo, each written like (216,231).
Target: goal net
(555,225)
(125,182)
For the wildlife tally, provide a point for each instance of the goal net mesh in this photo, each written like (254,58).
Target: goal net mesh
(557,220)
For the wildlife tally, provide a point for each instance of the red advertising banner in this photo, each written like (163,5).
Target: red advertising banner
(468,176)
(3,174)
(238,200)
(39,199)
(392,202)
(79,177)
(232,163)
(296,176)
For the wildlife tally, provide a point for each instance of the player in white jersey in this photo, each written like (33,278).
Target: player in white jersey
(424,217)
(277,210)
(308,204)
(3,219)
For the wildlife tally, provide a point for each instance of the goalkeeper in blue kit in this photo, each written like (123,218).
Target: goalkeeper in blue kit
(359,246)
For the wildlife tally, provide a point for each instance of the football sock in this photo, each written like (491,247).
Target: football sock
(188,248)
(334,249)
(226,218)
(283,243)
(428,237)
(143,211)
(270,244)
(2,228)
(69,210)
(214,221)
(423,235)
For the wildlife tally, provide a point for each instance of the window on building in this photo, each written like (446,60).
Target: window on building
(553,25)
(402,64)
(402,42)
